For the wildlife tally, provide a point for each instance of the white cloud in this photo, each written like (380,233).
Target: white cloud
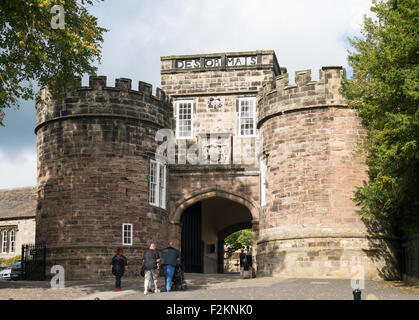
(305,34)
(19,170)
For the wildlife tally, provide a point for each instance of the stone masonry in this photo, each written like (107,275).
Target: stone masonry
(17,214)
(203,85)
(95,147)
(309,226)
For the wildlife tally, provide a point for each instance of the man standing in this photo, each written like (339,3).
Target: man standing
(151,258)
(170,258)
(243,263)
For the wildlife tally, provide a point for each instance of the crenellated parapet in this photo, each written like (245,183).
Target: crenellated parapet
(280,96)
(100,100)
(94,148)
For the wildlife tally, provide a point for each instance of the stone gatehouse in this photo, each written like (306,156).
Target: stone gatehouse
(242,148)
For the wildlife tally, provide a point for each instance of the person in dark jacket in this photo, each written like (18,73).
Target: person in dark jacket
(150,264)
(119,262)
(170,258)
(243,263)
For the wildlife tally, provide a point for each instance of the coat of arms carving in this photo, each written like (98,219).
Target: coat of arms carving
(215,104)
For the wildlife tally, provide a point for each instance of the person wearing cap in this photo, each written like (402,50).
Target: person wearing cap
(119,262)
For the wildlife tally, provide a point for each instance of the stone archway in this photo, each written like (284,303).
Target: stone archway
(194,197)
(222,234)
(221,212)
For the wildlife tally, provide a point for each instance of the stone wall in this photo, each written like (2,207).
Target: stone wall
(25,233)
(225,84)
(309,226)
(95,145)
(17,212)
(194,184)
(94,148)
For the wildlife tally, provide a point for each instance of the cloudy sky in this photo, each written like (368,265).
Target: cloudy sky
(305,34)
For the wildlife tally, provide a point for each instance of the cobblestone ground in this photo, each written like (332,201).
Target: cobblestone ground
(210,287)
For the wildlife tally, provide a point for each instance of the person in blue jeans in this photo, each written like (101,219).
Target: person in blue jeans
(170,258)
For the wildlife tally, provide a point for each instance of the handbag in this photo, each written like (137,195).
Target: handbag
(142,272)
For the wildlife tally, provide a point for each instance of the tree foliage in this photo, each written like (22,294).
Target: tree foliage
(384,90)
(10,261)
(239,239)
(32,48)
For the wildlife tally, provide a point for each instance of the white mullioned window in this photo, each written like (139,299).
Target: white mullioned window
(4,242)
(184,119)
(262,164)
(162,186)
(127,234)
(153,183)
(157,195)
(12,241)
(247,117)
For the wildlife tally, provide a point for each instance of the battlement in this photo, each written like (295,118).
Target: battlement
(100,100)
(122,84)
(281,96)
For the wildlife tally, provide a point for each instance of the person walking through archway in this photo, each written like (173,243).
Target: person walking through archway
(243,263)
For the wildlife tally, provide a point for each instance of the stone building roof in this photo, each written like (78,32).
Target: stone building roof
(18,203)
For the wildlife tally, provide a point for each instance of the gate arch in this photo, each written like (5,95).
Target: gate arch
(194,197)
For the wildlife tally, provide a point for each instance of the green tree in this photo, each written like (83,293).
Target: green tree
(384,90)
(36,46)
(239,239)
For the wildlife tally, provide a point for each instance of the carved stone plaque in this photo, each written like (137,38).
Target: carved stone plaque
(215,104)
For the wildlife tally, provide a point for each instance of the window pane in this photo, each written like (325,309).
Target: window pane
(4,242)
(127,234)
(247,117)
(153,182)
(12,241)
(184,119)
(162,189)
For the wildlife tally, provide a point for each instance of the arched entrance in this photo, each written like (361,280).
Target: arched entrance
(206,219)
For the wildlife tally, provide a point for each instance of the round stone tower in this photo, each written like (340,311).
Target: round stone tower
(309,225)
(94,148)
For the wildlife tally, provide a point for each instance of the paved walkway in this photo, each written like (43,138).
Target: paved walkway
(210,287)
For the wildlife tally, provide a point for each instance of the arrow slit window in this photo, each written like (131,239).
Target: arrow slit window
(262,164)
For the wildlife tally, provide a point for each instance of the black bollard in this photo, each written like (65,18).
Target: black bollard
(97,298)
(357,294)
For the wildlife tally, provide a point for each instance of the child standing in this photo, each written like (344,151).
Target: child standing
(119,262)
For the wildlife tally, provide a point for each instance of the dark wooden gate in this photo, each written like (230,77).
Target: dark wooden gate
(192,251)
(33,262)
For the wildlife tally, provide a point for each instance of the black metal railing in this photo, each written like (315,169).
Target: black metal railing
(33,262)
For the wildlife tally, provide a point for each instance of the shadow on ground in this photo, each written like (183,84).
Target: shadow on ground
(85,287)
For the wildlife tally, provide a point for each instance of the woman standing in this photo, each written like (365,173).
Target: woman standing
(119,262)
